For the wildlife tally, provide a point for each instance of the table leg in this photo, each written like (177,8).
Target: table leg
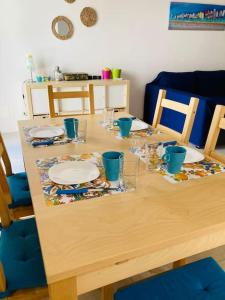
(63,290)
(107,292)
(179,263)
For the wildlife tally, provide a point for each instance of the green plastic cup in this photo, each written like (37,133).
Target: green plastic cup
(116,73)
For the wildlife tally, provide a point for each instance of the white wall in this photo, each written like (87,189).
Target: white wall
(132,35)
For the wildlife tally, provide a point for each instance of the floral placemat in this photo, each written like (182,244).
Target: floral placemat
(61,140)
(139,133)
(197,170)
(189,171)
(50,188)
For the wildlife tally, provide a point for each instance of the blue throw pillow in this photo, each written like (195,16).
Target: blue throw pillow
(185,81)
(211,83)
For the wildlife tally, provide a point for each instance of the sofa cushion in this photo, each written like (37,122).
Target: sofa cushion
(21,257)
(211,84)
(19,188)
(204,279)
(185,81)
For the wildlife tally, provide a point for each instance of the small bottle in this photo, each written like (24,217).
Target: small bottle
(58,75)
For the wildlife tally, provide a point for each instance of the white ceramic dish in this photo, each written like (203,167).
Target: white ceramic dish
(138,125)
(73,172)
(46,132)
(192,156)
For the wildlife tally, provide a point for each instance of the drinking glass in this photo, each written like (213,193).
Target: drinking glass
(129,173)
(81,131)
(151,156)
(137,143)
(108,117)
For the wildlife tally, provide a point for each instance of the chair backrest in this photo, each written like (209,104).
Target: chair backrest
(188,110)
(4,209)
(218,123)
(3,180)
(69,95)
(5,157)
(5,221)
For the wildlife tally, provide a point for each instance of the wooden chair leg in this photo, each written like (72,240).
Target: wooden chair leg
(107,292)
(179,263)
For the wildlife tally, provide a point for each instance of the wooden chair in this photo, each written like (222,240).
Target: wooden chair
(22,275)
(15,186)
(218,123)
(68,95)
(188,110)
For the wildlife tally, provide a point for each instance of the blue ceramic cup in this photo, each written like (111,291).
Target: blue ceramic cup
(39,78)
(124,125)
(174,158)
(113,164)
(71,127)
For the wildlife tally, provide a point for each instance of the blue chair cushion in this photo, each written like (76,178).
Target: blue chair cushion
(202,280)
(19,188)
(21,257)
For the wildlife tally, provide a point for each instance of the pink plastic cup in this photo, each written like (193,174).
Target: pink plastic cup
(106,74)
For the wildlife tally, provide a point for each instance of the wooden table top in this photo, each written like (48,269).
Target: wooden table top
(89,235)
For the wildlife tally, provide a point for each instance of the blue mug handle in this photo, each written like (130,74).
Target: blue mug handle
(116,123)
(166,158)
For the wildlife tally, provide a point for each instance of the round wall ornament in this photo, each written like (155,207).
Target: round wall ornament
(88,16)
(62,28)
(70,1)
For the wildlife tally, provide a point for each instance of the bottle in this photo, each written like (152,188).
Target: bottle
(58,75)
(30,65)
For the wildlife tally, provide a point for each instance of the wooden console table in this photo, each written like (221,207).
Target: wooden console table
(30,86)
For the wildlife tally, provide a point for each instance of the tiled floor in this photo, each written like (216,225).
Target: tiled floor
(13,146)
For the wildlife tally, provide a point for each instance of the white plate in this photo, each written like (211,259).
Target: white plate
(73,172)
(138,125)
(46,132)
(192,156)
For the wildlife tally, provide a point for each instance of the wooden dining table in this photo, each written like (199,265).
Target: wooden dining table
(94,243)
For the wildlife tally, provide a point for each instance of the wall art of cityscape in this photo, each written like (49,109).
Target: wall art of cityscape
(194,16)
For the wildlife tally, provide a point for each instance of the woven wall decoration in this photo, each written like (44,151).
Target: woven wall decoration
(70,1)
(69,30)
(88,16)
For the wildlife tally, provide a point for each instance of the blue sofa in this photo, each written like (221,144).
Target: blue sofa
(208,86)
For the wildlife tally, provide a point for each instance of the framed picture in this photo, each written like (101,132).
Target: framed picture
(196,16)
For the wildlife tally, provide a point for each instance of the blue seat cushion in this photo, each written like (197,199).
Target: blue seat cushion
(21,257)
(19,188)
(202,280)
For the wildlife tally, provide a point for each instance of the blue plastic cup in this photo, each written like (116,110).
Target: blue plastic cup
(174,158)
(124,125)
(113,164)
(71,127)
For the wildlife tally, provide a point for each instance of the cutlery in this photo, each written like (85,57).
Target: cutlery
(43,143)
(83,191)
(48,143)
(169,143)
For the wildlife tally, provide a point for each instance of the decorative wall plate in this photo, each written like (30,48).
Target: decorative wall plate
(88,16)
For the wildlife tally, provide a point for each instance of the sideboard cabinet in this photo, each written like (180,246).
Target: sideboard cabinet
(108,93)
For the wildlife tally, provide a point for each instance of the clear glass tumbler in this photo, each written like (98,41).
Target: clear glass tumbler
(108,117)
(81,131)
(151,156)
(129,173)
